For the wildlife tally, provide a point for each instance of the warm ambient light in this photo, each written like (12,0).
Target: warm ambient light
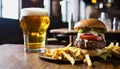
(33,0)
(94,1)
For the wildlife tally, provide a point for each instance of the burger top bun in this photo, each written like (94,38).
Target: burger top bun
(89,23)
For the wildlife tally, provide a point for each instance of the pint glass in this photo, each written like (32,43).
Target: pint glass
(34,23)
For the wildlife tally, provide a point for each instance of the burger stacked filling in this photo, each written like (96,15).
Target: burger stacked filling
(90,37)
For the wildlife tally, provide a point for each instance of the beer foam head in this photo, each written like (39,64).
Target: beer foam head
(34,12)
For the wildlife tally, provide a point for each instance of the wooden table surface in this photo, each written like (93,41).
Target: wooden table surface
(12,56)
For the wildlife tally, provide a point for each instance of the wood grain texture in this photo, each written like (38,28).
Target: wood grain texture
(12,56)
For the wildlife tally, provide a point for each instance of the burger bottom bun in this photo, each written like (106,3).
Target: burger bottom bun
(92,53)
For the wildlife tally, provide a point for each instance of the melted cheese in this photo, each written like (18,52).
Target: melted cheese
(85,42)
(78,36)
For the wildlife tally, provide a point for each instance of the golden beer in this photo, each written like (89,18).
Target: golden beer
(34,23)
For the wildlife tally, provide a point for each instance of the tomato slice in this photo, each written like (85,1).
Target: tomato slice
(88,37)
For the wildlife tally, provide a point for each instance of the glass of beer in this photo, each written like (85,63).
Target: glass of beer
(34,23)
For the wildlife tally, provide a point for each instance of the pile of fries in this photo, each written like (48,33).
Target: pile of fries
(113,49)
(72,53)
(69,53)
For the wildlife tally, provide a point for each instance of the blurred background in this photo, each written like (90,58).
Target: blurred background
(60,12)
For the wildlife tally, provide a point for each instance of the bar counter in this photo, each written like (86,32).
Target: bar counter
(12,56)
(110,36)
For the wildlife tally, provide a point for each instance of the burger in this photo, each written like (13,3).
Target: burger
(90,36)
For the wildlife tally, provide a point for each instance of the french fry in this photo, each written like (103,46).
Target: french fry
(78,52)
(68,57)
(117,44)
(72,49)
(66,48)
(114,51)
(110,46)
(85,61)
(69,45)
(89,63)
(79,55)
